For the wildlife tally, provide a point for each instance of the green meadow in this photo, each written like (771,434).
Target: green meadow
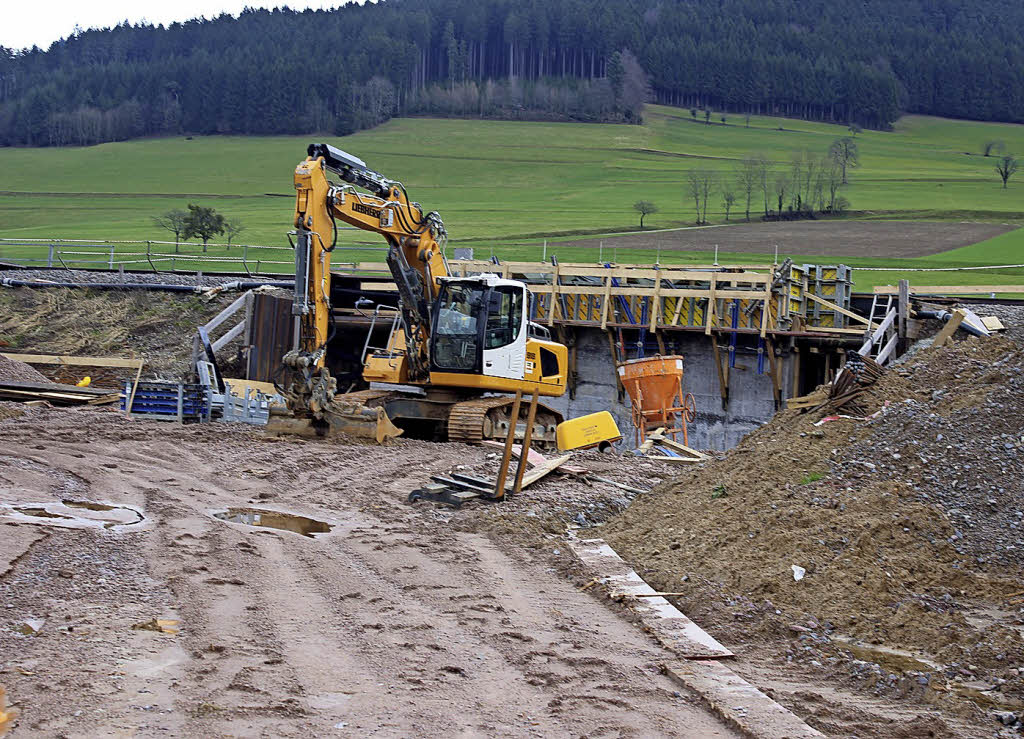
(506,187)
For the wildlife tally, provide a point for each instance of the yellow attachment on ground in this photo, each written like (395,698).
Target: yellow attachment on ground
(84,382)
(587,431)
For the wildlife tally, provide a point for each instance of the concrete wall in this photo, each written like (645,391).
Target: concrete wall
(751,401)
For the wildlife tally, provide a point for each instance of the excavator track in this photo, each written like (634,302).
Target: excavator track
(487,418)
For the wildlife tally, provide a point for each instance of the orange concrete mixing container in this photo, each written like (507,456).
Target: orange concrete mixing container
(654,383)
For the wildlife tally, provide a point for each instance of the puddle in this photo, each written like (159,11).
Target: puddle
(274,520)
(74,514)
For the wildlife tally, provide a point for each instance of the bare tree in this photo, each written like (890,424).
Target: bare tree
(1006,167)
(702,184)
(781,186)
(728,199)
(854,129)
(844,151)
(747,119)
(761,167)
(833,181)
(644,208)
(747,179)
(796,178)
(233,227)
(708,184)
(707,117)
(173,221)
(993,146)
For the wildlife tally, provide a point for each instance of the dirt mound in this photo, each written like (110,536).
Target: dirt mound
(157,326)
(907,529)
(11,370)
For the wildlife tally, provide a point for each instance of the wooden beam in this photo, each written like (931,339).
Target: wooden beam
(947,331)
(839,309)
(606,303)
(709,314)
(227,338)
(950,289)
(61,359)
(543,469)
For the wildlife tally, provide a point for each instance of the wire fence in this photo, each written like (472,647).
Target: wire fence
(166,256)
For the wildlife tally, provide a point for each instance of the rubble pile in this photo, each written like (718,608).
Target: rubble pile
(889,548)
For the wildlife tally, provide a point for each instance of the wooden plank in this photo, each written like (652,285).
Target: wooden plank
(74,361)
(673,444)
(230,336)
(542,470)
(839,309)
(606,303)
(888,350)
(992,323)
(54,387)
(709,314)
(225,314)
(830,330)
(946,332)
(656,302)
(950,289)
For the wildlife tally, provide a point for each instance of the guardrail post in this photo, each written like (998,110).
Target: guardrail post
(49,257)
(110,264)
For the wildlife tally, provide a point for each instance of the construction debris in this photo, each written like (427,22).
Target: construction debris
(845,392)
(661,447)
(56,393)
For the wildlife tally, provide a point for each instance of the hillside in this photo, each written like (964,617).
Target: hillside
(288,72)
(500,179)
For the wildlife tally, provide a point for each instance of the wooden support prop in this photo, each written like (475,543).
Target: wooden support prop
(839,309)
(723,374)
(773,370)
(499,488)
(527,437)
(903,308)
(796,371)
(947,331)
(606,302)
(656,303)
(709,314)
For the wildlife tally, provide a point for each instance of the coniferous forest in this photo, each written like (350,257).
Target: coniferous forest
(289,72)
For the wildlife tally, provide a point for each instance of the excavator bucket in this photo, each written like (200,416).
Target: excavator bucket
(359,421)
(355,422)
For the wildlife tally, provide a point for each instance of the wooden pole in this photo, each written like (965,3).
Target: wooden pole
(131,400)
(499,488)
(527,438)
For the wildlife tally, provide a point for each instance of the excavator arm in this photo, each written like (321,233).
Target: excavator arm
(414,239)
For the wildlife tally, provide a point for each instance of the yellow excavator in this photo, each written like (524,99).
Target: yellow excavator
(457,345)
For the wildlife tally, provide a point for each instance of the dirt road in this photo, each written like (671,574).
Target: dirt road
(394,623)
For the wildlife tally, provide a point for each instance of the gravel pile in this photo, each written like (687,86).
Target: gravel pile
(11,370)
(91,276)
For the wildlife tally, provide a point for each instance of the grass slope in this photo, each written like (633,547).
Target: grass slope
(502,185)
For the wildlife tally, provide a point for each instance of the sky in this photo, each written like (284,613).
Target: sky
(23,24)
